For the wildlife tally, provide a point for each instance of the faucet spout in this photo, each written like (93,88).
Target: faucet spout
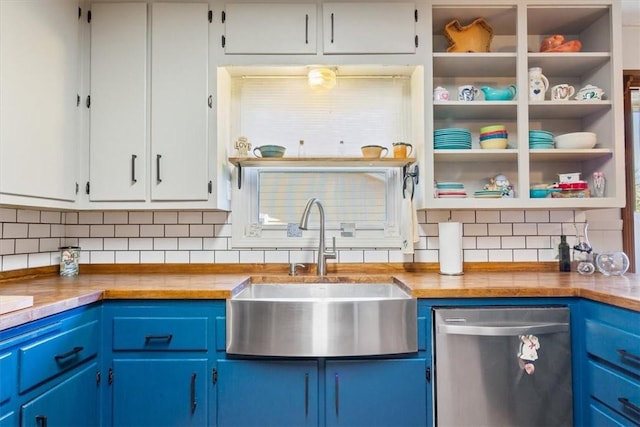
(323,253)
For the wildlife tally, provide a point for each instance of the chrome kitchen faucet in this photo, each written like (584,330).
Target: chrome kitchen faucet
(323,254)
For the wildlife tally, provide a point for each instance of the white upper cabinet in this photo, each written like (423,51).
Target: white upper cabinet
(270,28)
(369,28)
(179,101)
(39,113)
(118,132)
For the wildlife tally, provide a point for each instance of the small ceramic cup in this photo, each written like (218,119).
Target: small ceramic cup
(402,150)
(562,92)
(374,151)
(467,93)
(440,94)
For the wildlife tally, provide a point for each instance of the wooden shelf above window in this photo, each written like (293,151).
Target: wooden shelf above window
(320,162)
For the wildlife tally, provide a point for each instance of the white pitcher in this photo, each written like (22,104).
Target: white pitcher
(538,84)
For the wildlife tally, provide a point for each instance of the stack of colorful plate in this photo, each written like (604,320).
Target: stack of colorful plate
(487,194)
(452,190)
(540,139)
(451,139)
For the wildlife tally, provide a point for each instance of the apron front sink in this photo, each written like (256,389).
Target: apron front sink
(319,319)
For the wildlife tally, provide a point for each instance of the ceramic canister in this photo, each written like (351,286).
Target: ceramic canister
(538,84)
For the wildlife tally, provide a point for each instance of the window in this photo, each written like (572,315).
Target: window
(361,204)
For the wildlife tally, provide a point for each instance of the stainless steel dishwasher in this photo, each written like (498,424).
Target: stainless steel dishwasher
(503,366)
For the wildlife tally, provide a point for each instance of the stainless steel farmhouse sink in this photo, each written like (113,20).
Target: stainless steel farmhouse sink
(321,318)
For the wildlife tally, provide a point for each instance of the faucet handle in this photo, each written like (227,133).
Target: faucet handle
(293,266)
(332,254)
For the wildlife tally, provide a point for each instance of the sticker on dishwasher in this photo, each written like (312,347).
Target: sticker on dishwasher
(528,352)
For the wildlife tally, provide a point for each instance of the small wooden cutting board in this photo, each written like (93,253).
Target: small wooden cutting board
(14,302)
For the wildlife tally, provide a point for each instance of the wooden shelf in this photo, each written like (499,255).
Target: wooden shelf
(320,162)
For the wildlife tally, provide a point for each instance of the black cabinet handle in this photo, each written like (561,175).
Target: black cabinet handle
(306,395)
(133,168)
(150,338)
(158,157)
(337,397)
(306,29)
(210,101)
(61,357)
(193,393)
(41,420)
(626,355)
(628,405)
(332,28)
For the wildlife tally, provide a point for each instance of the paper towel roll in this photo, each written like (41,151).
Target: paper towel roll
(450,240)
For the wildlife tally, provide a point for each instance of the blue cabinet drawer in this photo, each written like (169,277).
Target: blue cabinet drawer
(48,357)
(615,390)
(616,346)
(8,374)
(160,333)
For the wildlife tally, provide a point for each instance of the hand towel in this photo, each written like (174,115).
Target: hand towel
(408,226)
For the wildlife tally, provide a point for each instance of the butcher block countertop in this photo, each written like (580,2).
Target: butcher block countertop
(54,294)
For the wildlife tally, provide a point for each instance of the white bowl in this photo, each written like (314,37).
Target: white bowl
(576,140)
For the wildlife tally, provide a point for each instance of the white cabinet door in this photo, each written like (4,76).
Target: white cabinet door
(118,136)
(179,110)
(39,118)
(369,28)
(255,28)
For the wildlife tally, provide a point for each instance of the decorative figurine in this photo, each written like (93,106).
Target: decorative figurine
(501,182)
(243,146)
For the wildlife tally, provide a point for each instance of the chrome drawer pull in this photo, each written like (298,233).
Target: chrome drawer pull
(625,402)
(75,351)
(626,355)
(166,338)
(193,393)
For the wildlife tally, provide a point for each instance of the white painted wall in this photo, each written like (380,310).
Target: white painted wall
(630,34)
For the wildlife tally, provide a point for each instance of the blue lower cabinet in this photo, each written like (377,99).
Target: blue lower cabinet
(386,392)
(73,402)
(159,392)
(264,393)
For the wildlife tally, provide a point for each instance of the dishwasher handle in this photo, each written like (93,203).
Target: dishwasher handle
(500,330)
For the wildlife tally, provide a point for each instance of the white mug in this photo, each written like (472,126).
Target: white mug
(467,93)
(440,94)
(562,92)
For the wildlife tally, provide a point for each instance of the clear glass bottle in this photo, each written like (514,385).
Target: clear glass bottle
(301,151)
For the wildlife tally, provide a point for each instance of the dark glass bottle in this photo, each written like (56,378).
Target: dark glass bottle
(564,257)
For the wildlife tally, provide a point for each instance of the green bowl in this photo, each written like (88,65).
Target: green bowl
(269,151)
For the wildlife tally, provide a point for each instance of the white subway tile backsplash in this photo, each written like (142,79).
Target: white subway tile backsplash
(189,217)
(102,230)
(190,243)
(175,230)
(525,229)
(31,238)
(15,230)
(512,216)
(127,257)
(500,229)
(27,215)
(525,255)
(116,244)
(536,216)
(474,229)
(500,255)
(165,217)
(91,218)
(491,242)
(27,246)
(140,217)
(141,244)
(115,217)
(8,215)
(514,242)
(152,230)
(488,216)
(165,243)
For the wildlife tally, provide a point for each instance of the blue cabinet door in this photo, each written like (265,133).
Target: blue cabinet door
(160,392)
(264,393)
(74,402)
(385,392)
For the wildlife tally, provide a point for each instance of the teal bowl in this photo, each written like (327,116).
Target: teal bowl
(269,151)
